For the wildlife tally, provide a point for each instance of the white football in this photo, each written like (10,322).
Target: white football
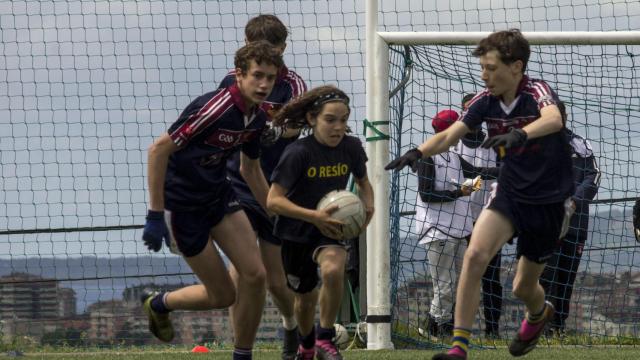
(350,211)
(342,337)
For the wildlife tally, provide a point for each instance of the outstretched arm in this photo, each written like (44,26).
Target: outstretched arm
(436,144)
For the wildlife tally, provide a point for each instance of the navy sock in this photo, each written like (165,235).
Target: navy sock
(158,305)
(309,340)
(241,354)
(326,334)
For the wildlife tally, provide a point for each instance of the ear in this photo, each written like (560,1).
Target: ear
(310,119)
(517,66)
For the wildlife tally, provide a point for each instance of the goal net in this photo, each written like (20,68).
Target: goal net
(600,85)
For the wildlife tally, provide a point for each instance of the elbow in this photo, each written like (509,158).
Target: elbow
(271,203)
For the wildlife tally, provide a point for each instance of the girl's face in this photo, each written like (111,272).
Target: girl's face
(330,126)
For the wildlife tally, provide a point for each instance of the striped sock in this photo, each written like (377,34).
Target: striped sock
(536,318)
(460,343)
(241,354)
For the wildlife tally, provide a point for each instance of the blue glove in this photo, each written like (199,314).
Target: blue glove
(515,137)
(155,230)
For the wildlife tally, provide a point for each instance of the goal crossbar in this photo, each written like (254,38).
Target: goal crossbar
(534,38)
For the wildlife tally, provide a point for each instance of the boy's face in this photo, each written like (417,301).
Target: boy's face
(499,77)
(257,82)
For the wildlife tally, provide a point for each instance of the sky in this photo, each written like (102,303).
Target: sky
(86,86)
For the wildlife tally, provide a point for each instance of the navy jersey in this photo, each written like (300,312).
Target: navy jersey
(208,131)
(309,170)
(540,171)
(288,86)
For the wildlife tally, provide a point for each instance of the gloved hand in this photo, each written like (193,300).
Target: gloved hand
(271,134)
(155,230)
(410,158)
(515,137)
(636,220)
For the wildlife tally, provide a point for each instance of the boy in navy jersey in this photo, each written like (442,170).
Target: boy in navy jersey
(273,142)
(191,199)
(310,168)
(535,181)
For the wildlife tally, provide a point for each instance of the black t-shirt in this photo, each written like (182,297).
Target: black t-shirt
(540,171)
(309,170)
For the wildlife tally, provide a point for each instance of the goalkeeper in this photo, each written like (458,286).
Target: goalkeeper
(535,180)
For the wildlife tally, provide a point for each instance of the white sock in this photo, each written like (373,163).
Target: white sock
(289,323)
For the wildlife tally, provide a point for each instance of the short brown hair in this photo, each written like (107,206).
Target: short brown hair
(261,52)
(510,44)
(266,27)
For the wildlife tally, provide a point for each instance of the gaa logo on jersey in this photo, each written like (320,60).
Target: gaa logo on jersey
(224,138)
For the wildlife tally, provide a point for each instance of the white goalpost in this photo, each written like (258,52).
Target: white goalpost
(377,134)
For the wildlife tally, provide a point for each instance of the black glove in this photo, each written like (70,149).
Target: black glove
(515,137)
(410,158)
(271,134)
(636,220)
(155,230)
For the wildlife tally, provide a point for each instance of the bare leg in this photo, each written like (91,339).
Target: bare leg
(332,261)
(491,232)
(305,310)
(217,290)
(276,279)
(526,284)
(236,238)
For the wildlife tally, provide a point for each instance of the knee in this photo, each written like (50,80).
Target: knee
(254,277)
(476,258)
(276,286)
(226,299)
(332,274)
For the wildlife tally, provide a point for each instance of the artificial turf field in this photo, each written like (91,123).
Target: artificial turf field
(562,353)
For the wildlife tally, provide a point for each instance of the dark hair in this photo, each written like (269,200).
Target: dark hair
(510,44)
(259,51)
(563,111)
(293,114)
(467,97)
(266,27)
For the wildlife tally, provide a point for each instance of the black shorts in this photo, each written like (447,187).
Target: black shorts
(300,266)
(261,222)
(537,226)
(191,229)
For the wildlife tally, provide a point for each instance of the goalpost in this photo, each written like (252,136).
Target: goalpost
(380,274)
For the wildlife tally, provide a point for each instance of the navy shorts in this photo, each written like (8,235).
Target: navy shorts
(191,229)
(537,226)
(261,222)
(300,266)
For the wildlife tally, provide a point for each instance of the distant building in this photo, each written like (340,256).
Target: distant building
(26,296)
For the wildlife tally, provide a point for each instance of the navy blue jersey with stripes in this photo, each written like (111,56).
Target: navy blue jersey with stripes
(309,170)
(288,86)
(540,171)
(209,130)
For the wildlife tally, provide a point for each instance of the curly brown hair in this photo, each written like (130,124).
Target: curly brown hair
(266,27)
(262,52)
(510,44)
(294,113)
